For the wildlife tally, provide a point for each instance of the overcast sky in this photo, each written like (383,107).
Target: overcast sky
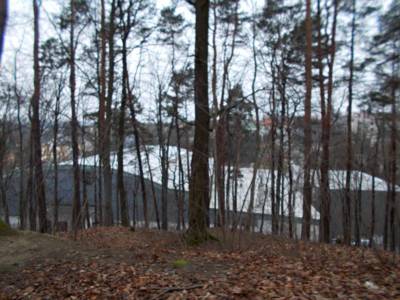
(19,41)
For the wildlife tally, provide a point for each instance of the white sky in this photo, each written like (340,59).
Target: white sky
(19,39)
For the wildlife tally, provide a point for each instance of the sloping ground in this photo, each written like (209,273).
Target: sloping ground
(116,263)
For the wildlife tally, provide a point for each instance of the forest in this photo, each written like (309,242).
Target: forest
(199,149)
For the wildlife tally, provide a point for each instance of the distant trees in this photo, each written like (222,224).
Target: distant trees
(53,61)
(172,28)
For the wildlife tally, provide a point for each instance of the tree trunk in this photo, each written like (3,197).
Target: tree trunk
(30,188)
(199,183)
(121,135)
(153,192)
(257,160)
(181,174)
(307,193)
(107,175)
(55,160)
(274,212)
(76,200)
(281,180)
(163,152)
(22,196)
(393,164)
(324,165)
(373,196)
(139,157)
(104,122)
(36,134)
(102,105)
(349,161)
(95,198)
(3,151)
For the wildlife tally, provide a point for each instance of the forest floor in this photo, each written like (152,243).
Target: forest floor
(117,263)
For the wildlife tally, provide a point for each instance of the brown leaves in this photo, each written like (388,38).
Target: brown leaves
(138,266)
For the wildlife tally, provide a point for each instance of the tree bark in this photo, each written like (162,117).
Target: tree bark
(153,192)
(21,158)
(199,183)
(121,129)
(139,157)
(349,148)
(76,200)
(307,192)
(36,134)
(30,188)
(393,163)
(55,159)
(250,223)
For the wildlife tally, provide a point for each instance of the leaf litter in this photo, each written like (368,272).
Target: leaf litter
(116,263)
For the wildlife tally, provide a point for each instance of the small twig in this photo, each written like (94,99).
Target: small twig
(174,289)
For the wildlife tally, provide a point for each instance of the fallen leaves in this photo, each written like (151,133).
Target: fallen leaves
(137,265)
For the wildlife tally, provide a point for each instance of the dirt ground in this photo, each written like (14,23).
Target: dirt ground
(117,263)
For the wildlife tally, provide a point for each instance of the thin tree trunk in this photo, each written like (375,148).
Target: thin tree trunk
(107,172)
(121,133)
(324,167)
(307,192)
(290,171)
(22,196)
(3,151)
(85,197)
(349,162)
(373,195)
(95,198)
(55,160)
(393,165)
(139,157)
(281,181)
(100,191)
(104,126)
(30,188)
(76,200)
(36,135)
(153,192)
(274,218)
(181,174)
(257,160)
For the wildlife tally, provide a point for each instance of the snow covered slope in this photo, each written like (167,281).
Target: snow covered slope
(152,168)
